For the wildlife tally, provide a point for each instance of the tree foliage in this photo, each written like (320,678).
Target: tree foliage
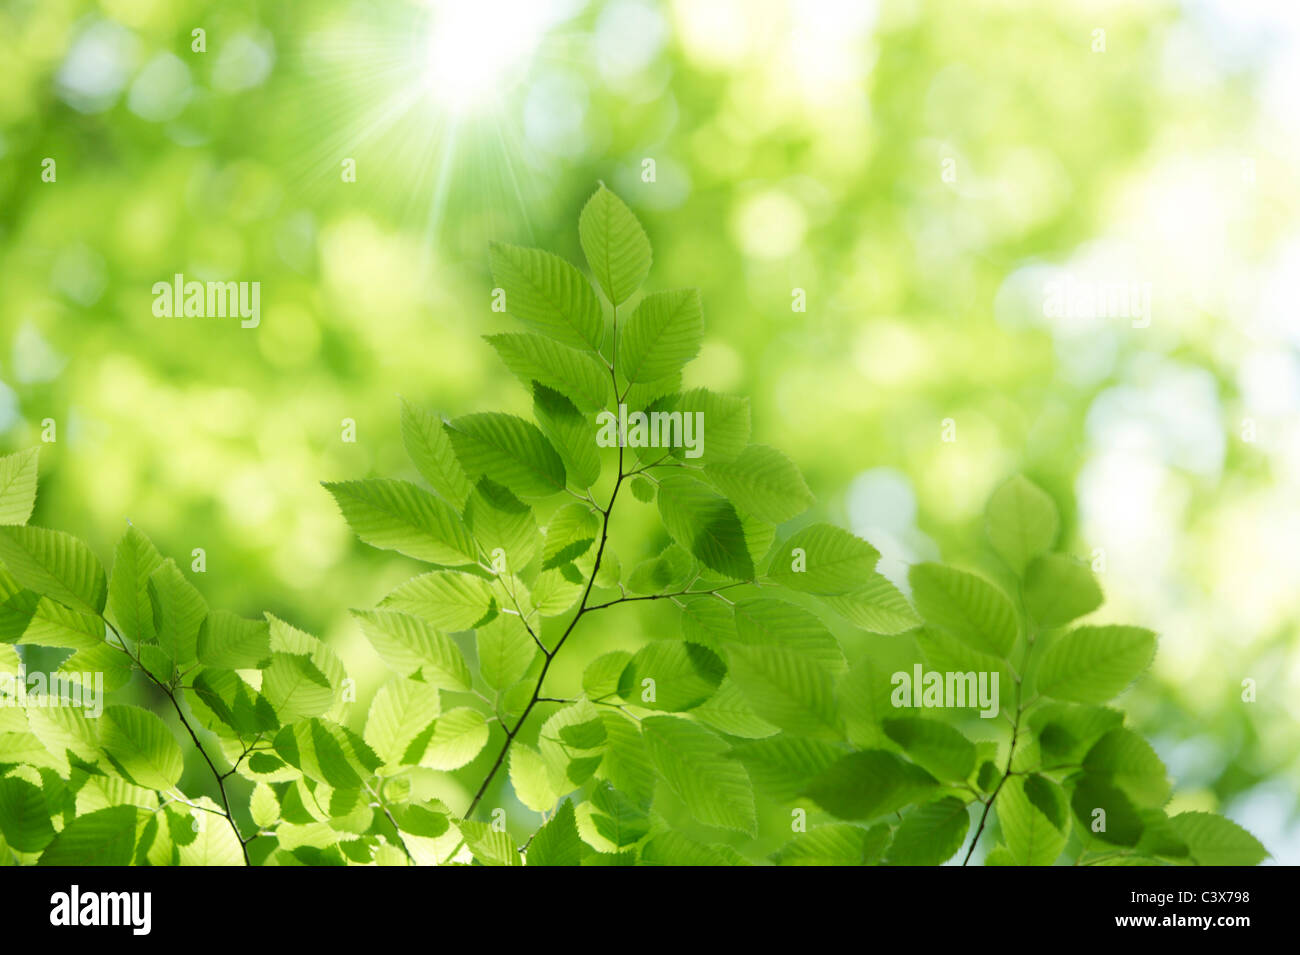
(764,725)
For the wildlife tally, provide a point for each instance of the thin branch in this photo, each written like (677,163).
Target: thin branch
(618,706)
(379,798)
(677,593)
(549,655)
(251,746)
(451,855)
(180,713)
(1015,735)
(512,732)
(519,612)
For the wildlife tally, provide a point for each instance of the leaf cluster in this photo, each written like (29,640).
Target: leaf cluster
(766,726)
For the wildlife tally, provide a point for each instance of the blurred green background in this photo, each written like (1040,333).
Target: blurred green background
(924,172)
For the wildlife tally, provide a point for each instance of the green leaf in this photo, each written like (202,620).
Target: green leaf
(548,294)
(288,639)
(642,489)
(530,779)
(140,747)
(967,606)
(505,651)
(724,434)
(615,245)
(231,701)
(783,766)
(296,687)
(663,334)
(1159,837)
(509,450)
(600,678)
(17,606)
(401,711)
(1128,761)
(54,625)
(157,662)
(580,375)
(263,806)
(446,599)
(327,752)
(692,761)
(569,534)
(105,837)
(659,395)
(950,655)
(178,613)
(877,607)
(869,783)
(729,712)
(865,702)
(674,849)
(57,564)
(1093,664)
(936,747)
(65,730)
(787,688)
(103,659)
(1104,812)
(398,515)
(457,737)
(215,843)
(617,818)
(430,450)
(1021,521)
(128,592)
(24,816)
(572,743)
(762,481)
(557,842)
(1216,840)
(1035,819)
(999,856)
(498,519)
(1059,589)
(823,559)
(410,646)
(571,434)
(588,735)
(234,643)
(18,486)
(837,844)
(489,846)
(555,591)
(427,821)
(765,622)
(683,676)
(1066,731)
(671,569)
(930,834)
(706,525)
(759,537)
(707,620)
